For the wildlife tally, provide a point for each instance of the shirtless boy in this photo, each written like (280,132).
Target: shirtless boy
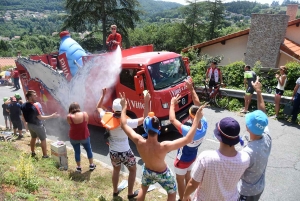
(153,153)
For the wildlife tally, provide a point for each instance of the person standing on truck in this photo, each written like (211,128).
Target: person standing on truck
(249,76)
(119,149)
(34,119)
(213,75)
(114,39)
(153,153)
(187,154)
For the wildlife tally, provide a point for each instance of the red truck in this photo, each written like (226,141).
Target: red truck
(161,73)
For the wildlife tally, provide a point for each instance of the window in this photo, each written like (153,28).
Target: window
(167,73)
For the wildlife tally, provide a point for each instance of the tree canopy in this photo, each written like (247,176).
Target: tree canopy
(102,13)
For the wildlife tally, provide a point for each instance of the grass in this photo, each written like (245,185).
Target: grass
(46,182)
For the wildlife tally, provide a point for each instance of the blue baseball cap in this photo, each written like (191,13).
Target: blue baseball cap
(256,122)
(148,124)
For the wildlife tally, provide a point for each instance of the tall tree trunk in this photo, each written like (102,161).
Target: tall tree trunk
(104,32)
(103,25)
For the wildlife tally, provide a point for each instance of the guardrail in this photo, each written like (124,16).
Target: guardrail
(241,93)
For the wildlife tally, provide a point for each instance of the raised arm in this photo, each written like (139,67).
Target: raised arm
(260,100)
(45,117)
(100,102)
(195,97)
(221,76)
(172,116)
(127,129)
(281,79)
(207,71)
(173,145)
(147,98)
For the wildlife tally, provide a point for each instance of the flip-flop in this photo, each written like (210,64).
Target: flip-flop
(116,194)
(133,195)
(121,187)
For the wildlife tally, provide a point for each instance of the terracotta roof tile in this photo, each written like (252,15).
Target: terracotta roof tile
(230,36)
(291,47)
(7,61)
(217,40)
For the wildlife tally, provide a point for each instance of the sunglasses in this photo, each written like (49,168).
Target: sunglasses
(113,28)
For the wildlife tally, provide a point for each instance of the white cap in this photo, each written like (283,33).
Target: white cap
(116,105)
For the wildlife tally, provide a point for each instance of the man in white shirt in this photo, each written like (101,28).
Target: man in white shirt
(119,149)
(216,172)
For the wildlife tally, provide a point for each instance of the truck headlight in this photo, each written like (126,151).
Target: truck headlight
(165,105)
(165,122)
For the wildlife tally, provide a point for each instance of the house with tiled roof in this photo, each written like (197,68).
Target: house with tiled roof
(274,40)
(7,61)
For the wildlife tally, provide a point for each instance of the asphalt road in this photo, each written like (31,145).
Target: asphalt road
(283,171)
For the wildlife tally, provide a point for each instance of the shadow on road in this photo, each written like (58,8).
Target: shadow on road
(60,129)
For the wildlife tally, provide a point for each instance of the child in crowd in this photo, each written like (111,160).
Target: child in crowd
(6,113)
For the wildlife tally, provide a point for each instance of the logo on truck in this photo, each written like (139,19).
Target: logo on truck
(177,91)
(183,101)
(135,104)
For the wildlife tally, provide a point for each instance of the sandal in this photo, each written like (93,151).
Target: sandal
(116,194)
(133,195)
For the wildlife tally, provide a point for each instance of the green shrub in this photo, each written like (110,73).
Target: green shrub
(5,68)
(293,74)
(233,74)
(198,72)
(235,104)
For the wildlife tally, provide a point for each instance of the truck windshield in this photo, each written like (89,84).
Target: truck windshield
(167,73)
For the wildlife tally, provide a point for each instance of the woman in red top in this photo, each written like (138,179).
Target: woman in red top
(79,134)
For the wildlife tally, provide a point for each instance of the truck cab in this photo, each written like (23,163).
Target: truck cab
(163,74)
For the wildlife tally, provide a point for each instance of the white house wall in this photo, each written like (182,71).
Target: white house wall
(293,33)
(284,59)
(233,50)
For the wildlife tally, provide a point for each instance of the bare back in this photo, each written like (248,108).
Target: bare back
(153,154)
(78,117)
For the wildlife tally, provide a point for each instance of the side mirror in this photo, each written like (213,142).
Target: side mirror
(187,65)
(139,83)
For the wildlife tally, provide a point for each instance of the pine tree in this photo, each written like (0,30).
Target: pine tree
(215,18)
(102,13)
(193,24)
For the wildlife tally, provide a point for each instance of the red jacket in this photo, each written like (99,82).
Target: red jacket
(117,37)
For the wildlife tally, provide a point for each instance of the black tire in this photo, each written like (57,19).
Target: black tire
(222,99)
(203,96)
(269,90)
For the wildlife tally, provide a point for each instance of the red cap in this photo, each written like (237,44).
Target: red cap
(64,33)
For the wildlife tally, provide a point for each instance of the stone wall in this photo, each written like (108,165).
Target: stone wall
(291,10)
(267,32)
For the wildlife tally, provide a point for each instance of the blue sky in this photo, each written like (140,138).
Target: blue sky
(260,1)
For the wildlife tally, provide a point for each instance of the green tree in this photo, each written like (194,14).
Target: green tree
(193,24)
(215,17)
(102,13)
